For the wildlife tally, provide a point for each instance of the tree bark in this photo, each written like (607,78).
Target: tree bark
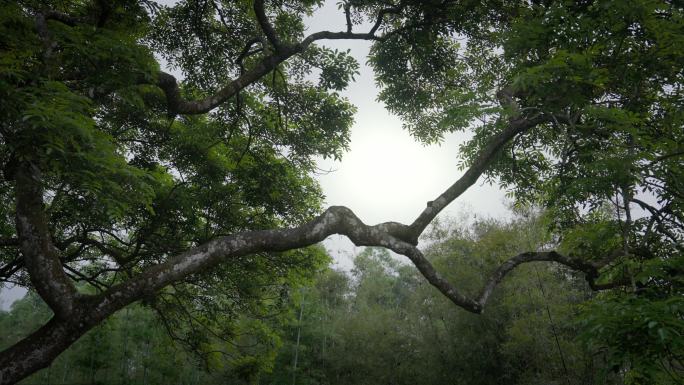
(40,256)
(39,349)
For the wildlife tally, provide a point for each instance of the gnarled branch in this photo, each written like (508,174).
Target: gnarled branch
(497,276)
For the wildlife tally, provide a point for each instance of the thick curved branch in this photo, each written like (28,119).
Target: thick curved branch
(169,85)
(589,268)
(40,256)
(38,349)
(335,220)
(435,279)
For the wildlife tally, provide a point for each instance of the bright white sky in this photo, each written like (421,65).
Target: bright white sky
(386,175)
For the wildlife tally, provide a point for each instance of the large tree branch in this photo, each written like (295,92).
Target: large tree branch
(478,167)
(516,124)
(39,349)
(266,26)
(40,256)
(177,105)
(335,220)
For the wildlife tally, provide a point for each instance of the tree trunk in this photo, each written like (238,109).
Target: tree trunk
(39,349)
(299,333)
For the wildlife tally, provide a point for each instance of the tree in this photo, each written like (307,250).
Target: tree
(384,324)
(116,174)
(129,347)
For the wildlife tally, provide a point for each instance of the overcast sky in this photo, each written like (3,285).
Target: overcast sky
(386,175)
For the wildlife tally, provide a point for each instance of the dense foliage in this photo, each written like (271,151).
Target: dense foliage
(128,186)
(121,183)
(129,348)
(379,323)
(383,324)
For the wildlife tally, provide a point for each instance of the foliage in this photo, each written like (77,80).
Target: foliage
(130,347)
(127,186)
(381,323)
(126,183)
(642,330)
(134,346)
(607,161)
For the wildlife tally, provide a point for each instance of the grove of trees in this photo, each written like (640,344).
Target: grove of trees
(195,199)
